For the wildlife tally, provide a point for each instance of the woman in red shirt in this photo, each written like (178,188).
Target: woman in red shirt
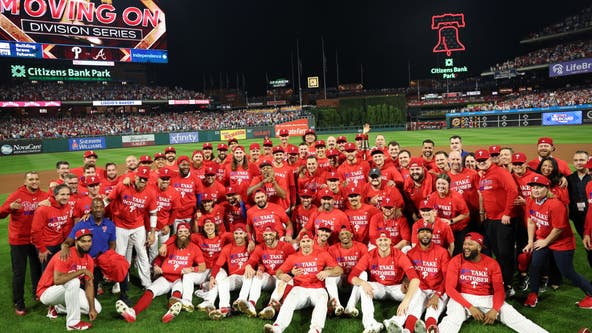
(550,169)
(549,233)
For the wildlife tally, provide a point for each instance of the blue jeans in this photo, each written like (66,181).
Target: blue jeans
(564,261)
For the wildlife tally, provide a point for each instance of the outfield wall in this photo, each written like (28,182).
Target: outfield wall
(547,116)
(33,146)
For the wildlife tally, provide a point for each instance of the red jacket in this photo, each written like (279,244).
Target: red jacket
(19,225)
(499,192)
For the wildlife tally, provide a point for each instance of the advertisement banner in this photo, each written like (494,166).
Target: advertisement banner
(21,147)
(239,134)
(587,118)
(116,103)
(579,66)
(294,127)
(184,137)
(61,73)
(562,118)
(189,101)
(87,144)
(83,30)
(260,132)
(137,140)
(29,104)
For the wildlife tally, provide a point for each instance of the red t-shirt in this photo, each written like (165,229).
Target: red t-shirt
(168,202)
(270,259)
(211,247)
(332,220)
(271,216)
(355,174)
(588,221)
(239,179)
(388,270)
(234,257)
(482,278)
(312,182)
(450,207)
(466,183)
(397,228)
(215,190)
(311,264)
(431,265)
(549,214)
(499,191)
(72,264)
(133,206)
(441,233)
(381,194)
(176,259)
(19,225)
(359,220)
(216,215)
(418,193)
(188,187)
(301,216)
(348,258)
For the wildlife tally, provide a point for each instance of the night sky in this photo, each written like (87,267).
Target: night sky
(258,37)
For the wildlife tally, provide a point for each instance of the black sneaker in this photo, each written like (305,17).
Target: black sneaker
(544,284)
(524,283)
(19,309)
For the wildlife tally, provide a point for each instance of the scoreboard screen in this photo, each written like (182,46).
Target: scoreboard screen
(84,30)
(496,120)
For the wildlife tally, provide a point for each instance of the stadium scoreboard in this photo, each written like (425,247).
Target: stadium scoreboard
(82,30)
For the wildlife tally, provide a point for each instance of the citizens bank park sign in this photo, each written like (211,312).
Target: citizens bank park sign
(40,73)
(128,31)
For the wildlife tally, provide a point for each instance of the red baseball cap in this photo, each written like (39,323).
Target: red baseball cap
(518,158)
(350,146)
(170,149)
(482,154)
(210,171)
(494,150)
(305,193)
(382,233)
(284,132)
(222,146)
(306,234)
(425,206)
(325,193)
(92,180)
(539,180)
(267,143)
(416,162)
(165,172)
(236,148)
(145,159)
(255,146)
(83,232)
(207,197)
(333,175)
(264,163)
(292,150)
(320,143)
(310,131)
(90,153)
(359,136)
(196,152)
(183,158)
(341,138)
(238,227)
(476,237)
(230,190)
(545,140)
(269,229)
(159,155)
(353,190)
(277,149)
(143,171)
(183,226)
(388,201)
(332,152)
(207,145)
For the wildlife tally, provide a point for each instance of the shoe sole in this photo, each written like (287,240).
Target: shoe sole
(173,312)
(266,314)
(268,328)
(420,327)
(121,308)
(392,327)
(216,315)
(244,308)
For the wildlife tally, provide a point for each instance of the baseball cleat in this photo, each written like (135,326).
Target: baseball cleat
(81,326)
(52,313)
(433,329)
(392,327)
(352,312)
(129,314)
(585,303)
(206,307)
(420,326)
(269,328)
(531,300)
(219,314)
(247,308)
(172,312)
(267,313)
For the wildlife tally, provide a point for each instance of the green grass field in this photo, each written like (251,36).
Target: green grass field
(556,311)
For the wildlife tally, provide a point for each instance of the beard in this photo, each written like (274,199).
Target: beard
(81,250)
(472,255)
(425,242)
(182,243)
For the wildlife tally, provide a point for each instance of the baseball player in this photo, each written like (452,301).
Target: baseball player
(261,267)
(182,257)
(312,267)
(59,286)
(233,256)
(265,214)
(21,206)
(354,170)
(347,253)
(441,233)
(168,201)
(189,187)
(359,214)
(431,263)
(476,289)
(385,266)
(392,222)
(52,224)
(135,202)
(327,216)
(549,233)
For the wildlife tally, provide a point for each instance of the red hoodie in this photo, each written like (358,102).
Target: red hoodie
(19,226)
(51,225)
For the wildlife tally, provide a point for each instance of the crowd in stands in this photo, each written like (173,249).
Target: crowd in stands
(50,91)
(537,100)
(560,52)
(114,123)
(576,22)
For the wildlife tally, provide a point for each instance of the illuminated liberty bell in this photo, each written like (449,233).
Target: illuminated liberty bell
(447,26)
